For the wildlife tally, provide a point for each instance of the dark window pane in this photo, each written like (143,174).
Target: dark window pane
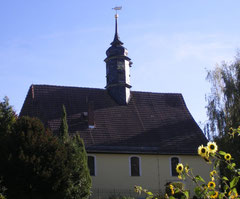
(174,162)
(91,165)
(135,171)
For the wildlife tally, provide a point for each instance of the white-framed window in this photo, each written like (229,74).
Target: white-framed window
(135,166)
(92,164)
(173,164)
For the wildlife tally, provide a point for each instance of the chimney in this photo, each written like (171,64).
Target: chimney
(91,115)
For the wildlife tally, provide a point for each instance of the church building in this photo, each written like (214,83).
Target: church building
(131,137)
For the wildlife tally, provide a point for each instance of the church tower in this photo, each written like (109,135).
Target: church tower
(118,70)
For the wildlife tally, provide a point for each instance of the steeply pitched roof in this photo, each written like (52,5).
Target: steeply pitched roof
(155,123)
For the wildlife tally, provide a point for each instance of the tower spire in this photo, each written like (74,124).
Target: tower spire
(116,40)
(118,69)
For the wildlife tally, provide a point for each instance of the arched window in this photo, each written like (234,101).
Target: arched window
(92,165)
(135,167)
(174,163)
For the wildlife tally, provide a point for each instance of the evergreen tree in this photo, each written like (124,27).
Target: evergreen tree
(7,117)
(80,176)
(64,126)
(35,167)
(37,164)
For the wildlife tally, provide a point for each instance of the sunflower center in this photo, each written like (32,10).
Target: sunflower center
(180,168)
(212,147)
(203,150)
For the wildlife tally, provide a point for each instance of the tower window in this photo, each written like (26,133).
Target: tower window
(135,167)
(92,165)
(174,163)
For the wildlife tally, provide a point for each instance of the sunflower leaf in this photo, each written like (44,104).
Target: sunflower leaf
(225,178)
(186,193)
(199,178)
(198,192)
(222,153)
(221,195)
(234,182)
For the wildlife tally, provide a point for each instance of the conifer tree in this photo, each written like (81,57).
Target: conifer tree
(80,175)
(64,126)
(7,117)
(38,164)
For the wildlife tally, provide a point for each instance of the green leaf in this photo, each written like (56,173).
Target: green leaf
(186,193)
(198,192)
(149,193)
(221,195)
(225,187)
(234,182)
(225,178)
(233,164)
(216,164)
(222,153)
(149,197)
(199,178)
(171,197)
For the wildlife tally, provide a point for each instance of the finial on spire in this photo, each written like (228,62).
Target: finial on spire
(116,37)
(117,8)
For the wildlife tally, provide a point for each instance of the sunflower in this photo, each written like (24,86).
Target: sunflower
(180,177)
(215,195)
(212,173)
(202,151)
(211,185)
(228,157)
(212,147)
(233,194)
(172,189)
(179,168)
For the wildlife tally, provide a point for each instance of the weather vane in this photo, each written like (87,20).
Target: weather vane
(116,9)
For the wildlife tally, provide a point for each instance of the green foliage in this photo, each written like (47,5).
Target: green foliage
(223,109)
(223,101)
(202,188)
(35,167)
(2,190)
(7,117)
(37,164)
(64,126)
(80,177)
(177,193)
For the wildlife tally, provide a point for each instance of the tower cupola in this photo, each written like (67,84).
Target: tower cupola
(118,70)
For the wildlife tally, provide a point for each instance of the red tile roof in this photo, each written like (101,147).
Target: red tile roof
(155,123)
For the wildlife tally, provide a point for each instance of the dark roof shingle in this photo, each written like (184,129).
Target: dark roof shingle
(155,123)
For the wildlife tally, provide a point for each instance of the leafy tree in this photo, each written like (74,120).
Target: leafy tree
(37,164)
(224,100)
(223,107)
(35,167)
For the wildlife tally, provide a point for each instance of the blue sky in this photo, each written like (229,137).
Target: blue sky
(171,43)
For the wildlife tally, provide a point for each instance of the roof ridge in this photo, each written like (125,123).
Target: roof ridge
(134,91)
(48,85)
